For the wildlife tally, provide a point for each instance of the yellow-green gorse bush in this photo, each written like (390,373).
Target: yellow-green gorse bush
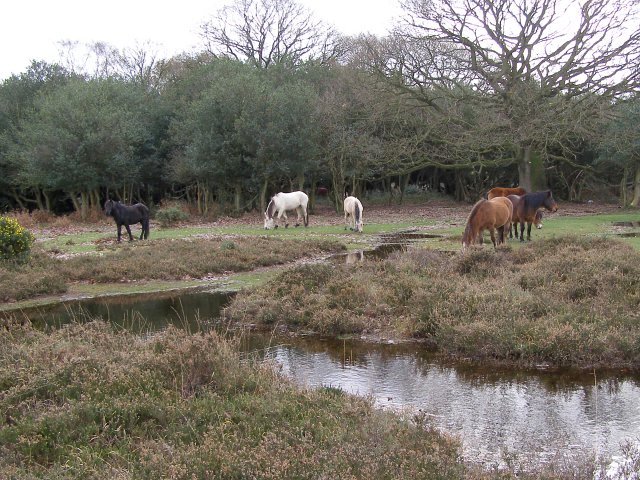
(15,240)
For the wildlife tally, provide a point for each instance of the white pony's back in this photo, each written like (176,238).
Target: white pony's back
(353,213)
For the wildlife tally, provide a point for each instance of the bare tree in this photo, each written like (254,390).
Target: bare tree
(267,32)
(543,67)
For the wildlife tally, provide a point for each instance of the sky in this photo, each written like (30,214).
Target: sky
(33,29)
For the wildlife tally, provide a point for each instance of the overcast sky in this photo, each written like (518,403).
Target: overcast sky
(32,29)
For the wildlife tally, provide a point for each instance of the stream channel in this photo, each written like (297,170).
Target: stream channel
(532,416)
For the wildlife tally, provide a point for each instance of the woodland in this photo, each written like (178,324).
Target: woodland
(458,97)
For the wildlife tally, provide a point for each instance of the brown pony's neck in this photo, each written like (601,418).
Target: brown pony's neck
(471,230)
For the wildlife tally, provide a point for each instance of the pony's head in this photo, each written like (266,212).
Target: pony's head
(108,207)
(549,203)
(537,221)
(269,222)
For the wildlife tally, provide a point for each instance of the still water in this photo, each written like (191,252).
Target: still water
(532,416)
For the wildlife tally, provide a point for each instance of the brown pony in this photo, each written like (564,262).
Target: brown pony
(504,192)
(525,209)
(490,214)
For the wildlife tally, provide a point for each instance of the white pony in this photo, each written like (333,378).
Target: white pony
(353,214)
(280,203)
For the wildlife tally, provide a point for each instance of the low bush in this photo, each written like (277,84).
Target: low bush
(170,215)
(15,240)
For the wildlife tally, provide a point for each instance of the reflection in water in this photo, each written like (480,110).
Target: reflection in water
(140,313)
(537,417)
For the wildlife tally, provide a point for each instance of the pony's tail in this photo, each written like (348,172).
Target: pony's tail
(306,218)
(357,212)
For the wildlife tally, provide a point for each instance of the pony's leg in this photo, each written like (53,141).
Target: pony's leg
(493,236)
(511,225)
(481,237)
(129,232)
(119,232)
(528,232)
(299,216)
(522,231)
(286,219)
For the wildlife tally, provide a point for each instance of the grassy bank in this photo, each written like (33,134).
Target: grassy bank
(171,259)
(563,301)
(86,401)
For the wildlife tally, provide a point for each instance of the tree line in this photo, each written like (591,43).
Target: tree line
(465,94)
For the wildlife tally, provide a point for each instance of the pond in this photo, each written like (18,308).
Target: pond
(534,416)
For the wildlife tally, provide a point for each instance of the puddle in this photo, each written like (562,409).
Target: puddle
(534,416)
(389,243)
(139,313)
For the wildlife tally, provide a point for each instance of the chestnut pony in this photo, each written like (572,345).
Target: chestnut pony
(505,192)
(525,208)
(490,214)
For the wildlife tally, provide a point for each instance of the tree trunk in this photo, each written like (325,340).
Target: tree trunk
(312,195)
(263,195)
(531,173)
(524,168)
(623,187)
(636,188)
(237,198)
(84,205)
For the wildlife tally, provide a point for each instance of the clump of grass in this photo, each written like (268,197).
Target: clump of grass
(154,260)
(87,401)
(563,301)
(38,276)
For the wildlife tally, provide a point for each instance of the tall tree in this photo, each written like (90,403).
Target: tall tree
(534,63)
(269,32)
(620,147)
(83,137)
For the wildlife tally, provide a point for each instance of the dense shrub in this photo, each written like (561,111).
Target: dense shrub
(15,240)
(171,215)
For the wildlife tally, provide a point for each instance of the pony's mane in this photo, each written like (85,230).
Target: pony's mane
(270,208)
(474,211)
(536,198)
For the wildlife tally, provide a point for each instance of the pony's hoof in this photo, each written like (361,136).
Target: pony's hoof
(276,226)
(297,224)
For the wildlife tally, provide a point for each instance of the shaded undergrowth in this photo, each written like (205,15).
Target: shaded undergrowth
(563,301)
(87,401)
(153,260)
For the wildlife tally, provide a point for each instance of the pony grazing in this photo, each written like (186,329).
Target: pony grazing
(127,215)
(491,215)
(281,203)
(525,209)
(504,192)
(353,214)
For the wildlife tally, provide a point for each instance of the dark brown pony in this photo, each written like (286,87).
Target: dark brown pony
(525,209)
(505,192)
(491,215)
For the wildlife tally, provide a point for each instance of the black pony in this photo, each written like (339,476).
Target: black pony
(127,215)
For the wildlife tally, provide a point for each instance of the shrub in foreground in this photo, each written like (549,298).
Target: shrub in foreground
(86,401)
